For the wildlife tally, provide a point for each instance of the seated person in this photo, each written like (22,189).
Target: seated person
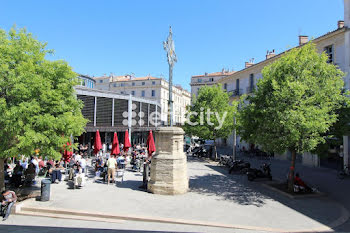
(299,185)
(79,178)
(56,172)
(41,163)
(16,178)
(9,198)
(121,162)
(29,174)
(99,164)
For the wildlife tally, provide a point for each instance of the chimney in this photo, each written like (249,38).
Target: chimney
(205,74)
(303,40)
(249,63)
(340,24)
(270,54)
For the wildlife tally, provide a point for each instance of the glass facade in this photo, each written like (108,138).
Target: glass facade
(86,81)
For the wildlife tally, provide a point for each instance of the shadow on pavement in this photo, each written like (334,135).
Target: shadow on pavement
(238,189)
(227,189)
(42,229)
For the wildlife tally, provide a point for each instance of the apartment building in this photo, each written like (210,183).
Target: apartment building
(198,81)
(335,43)
(149,87)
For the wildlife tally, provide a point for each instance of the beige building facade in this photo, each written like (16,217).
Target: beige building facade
(335,43)
(149,87)
(198,81)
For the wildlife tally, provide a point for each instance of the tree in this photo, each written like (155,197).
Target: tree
(210,116)
(38,106)
(294,105)
(334,136)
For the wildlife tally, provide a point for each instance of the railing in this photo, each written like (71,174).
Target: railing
(236,92)
(250,89)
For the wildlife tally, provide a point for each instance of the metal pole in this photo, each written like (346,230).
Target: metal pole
(234,141)
(170,103)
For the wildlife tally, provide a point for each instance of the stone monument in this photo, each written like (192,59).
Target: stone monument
(169,164)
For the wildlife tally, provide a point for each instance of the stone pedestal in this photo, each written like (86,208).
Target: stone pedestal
(169,164)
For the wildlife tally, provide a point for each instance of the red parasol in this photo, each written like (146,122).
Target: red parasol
(67,154)
(151,148)
(97,143)
(127,144)
(115,145)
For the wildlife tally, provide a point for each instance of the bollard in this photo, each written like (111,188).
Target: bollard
(45,189)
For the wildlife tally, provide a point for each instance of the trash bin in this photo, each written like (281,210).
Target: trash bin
(45,189)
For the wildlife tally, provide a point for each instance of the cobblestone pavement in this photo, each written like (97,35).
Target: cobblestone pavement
(214,196)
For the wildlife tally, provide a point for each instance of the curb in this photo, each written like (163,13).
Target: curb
(103,217)
(301,196)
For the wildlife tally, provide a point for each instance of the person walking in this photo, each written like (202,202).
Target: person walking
(112,165)
(9,199)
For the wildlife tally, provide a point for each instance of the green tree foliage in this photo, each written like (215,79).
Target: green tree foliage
(210,115)
(334,136)
(295,103)
(38,106)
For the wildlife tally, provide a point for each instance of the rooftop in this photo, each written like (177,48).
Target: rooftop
(222,73)
(324,36)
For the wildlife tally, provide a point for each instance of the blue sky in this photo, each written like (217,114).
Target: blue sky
(100,37)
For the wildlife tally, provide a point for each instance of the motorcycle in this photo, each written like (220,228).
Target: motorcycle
(200,151)
(264,172)
(239,166)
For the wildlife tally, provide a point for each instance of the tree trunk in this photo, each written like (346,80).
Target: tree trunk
(291,172)
(215,153)
(2,177)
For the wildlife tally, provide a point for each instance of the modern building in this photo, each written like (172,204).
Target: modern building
(151,88)
(335,43)
(109,112)
(198,81)
(86,81)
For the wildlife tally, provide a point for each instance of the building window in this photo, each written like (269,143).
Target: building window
(225,86)
(122,84)
(251,81)
(199,80)
(122,92)
(211,79)
(114,85)
(143,93)
(143,83)
(237,84)
(101,81)
(132,92)
(329,52)
(133,84)
(153,83)
(153,93)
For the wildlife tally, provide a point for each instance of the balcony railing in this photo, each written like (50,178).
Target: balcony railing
(236,92)
(250,89)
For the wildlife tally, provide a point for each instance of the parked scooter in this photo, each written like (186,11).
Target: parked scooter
(200,151)
(264,172)
(239,166)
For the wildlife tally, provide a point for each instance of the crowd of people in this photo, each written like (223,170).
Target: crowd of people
(25,170)
(107,165)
